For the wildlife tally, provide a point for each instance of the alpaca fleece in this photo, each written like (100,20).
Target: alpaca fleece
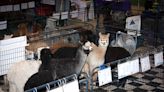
(62,66)
(115,53)
(38,79)
(19,73)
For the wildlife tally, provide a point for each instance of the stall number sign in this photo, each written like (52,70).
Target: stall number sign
(158,58)
(145,64)
(128,68)
(71,87)
(133,23)
(104,76)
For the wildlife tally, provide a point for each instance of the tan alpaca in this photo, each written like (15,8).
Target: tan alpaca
(22,30)
(33,46)
(96,56)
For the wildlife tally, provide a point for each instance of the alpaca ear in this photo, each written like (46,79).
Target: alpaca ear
(18,25)
(108,34)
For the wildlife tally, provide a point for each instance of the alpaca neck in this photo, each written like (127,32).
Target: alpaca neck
(81,60)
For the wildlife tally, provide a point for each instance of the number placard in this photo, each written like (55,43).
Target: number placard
(71,87)
(158,59)
(104,76)
(145,64)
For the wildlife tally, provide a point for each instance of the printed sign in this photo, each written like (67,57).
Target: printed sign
(71,87)
(104,76)
(128,68)
(3,25)
(145,64)
(133,24)
(158,58)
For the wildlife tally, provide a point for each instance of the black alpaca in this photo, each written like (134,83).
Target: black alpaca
(68,61)
(38,79)
(115,53)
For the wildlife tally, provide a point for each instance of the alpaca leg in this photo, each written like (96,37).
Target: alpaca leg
(86,69)
(6,83)
(94,77)
(12,87)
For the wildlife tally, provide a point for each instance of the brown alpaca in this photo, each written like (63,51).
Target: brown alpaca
(22,30)
(61,43)
(33,46)
(34,34)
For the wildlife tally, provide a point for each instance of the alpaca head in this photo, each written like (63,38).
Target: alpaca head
(103,39)
(22,29)
(45,55)
(87,47)
(38,54)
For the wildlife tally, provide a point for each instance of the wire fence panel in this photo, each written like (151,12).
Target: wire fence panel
(11,51)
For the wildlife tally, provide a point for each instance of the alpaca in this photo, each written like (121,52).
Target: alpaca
(115,53)
(19,73)
(126,41)
(34,34)
(57,68)
(22,30)
(33,46)
(97,54)
(36,28)
(61,43)
(38,79)
(6,36)
(65,65)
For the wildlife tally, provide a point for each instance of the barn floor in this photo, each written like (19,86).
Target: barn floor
(150,81)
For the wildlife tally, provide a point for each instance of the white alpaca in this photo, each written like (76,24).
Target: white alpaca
(19,73)
(8,36)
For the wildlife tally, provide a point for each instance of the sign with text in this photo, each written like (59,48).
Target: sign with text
(158,59)
(145,64)
(105,76)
